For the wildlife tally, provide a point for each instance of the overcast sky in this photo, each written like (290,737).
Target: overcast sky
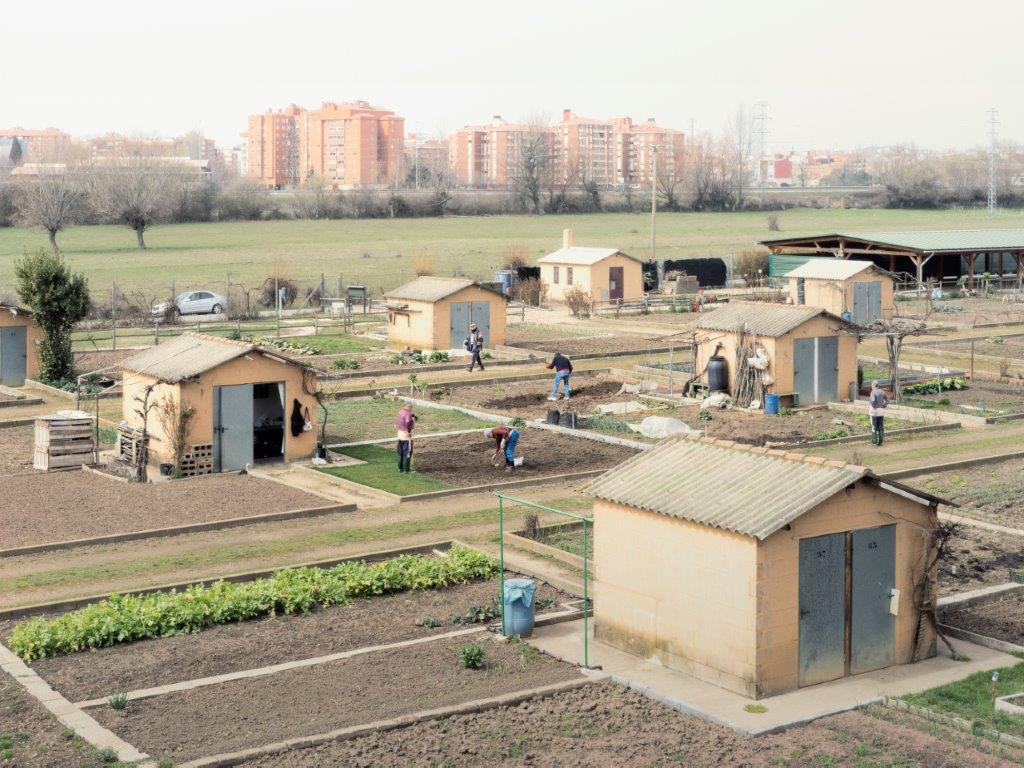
(835,74)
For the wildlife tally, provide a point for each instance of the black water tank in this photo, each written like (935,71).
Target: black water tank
(718,374)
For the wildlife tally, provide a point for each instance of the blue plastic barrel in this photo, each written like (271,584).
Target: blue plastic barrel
(771,404)
(519,607)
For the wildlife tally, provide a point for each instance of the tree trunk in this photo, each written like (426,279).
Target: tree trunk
(139,232)
(53,240)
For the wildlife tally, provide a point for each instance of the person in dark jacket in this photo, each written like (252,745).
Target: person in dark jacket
(474,344)
(878,401)
(505,439)
(562,367)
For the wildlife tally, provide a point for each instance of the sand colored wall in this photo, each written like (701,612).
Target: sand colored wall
(778,586)
(707,341)
(248,369)
(595,278)
(33,334)
(679,592)
(427,325)
(836,296)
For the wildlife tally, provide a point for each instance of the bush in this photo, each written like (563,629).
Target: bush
(124,618)
(532,291)
(472,656)
(579,301)
(345,363)
(268,297)
(751,266)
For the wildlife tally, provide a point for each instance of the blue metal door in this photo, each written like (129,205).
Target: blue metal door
(482,317)
(803,370)
(867,301)
(827,359)
(458,314)
(13,355)
(872,624)
(822,606)
(232,427)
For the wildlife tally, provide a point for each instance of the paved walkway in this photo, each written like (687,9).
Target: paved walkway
(694,696)
(310,482)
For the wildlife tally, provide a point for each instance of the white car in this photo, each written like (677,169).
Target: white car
(193,303)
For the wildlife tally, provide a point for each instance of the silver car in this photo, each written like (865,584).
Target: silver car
(193,303)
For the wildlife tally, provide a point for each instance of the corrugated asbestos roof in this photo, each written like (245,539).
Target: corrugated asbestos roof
(759,318)
(14,309)
(431,288)
(581,256)
(828,268)
(924,241)
(188,355)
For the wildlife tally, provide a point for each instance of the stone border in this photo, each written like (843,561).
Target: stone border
(984,640)
(67,713)
(21,400)
(867,435)
(25,421)
(106,394)
(516,539)
(384,440)
(530,481)
(177,530)
(909,413)
(953,721)
(451,365)
(544,354)
(380,726)
(60,606)
(948,465)
(977,596)
(396,390)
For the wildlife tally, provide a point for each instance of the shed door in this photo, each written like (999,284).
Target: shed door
(816,369)
(13,355)
(872,625)
(867,301)
(458,323)
(827,348)
(616,278)
(482,318)
(803,370)
(822,641)
(232,427)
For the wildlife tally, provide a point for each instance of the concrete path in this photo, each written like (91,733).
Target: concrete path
(310,482)
(692,696)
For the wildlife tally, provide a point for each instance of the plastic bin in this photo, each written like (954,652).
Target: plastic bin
(519,607)
(771,405)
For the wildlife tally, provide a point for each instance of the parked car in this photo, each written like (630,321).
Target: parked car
(193,303)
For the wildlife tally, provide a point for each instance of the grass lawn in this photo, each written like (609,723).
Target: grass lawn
(378,252)
(381,471)
(374,419)
(971,699)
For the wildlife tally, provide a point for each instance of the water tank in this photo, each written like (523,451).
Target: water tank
(718,374)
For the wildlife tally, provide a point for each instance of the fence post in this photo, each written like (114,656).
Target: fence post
(197,325)
(113,316)
(156,333)
(316,325)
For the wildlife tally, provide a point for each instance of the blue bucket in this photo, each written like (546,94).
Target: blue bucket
(519,606)
(771,405)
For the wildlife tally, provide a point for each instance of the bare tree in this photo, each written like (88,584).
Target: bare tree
(894,330)
(739,148)
(52,202)
(134,191)
(531,166)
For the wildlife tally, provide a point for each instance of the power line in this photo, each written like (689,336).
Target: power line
(992,141)
(761,119)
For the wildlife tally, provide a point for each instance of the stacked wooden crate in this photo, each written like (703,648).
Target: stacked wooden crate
(129,443)
(64,439)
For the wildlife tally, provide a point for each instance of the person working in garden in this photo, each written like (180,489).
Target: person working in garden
(406,423)
(474,344)
(505,439)
(877,403)
(562,368)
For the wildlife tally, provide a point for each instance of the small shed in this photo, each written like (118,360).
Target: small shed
(607,274)
(808,353)
(245,396)
(435,313)
(860,291)
(761,571)
(19,356)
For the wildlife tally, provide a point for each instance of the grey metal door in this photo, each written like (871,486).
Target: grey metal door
(13,355)
(872,625)
(458,323)
(822,606)
(867,301)
(482,317)
(232,427)
(803,370)
(827,360)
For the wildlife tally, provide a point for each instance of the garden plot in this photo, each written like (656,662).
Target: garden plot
(980,558)
(609,725)
(1002,619)
(962,312)
(588,345)
(985,492)
(991,346)
(529,399)
(62,506)
(87,361)
(16,450)
(366,418)
(978,398)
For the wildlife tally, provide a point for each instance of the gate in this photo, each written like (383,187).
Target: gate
(13,355)
(872,625)
(232,427)
(822,633)
(867,301)
(458,323)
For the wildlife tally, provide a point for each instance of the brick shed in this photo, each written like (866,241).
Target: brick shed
(760,571)
(808,353)
(245,398)
(607,274)
(857,290)
(435,313)
(19,357)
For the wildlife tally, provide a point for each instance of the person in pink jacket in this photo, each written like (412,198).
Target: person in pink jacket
(405,423)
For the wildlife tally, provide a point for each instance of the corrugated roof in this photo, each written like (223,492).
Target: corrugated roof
(759,318)
(15,309)
(829,268)
(189,355)
(429,288)
(582,256)
(924,241)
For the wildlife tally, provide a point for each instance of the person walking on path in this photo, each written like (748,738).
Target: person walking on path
(562,368)
(406,423)
(474,343)
(878,401)
(505,439)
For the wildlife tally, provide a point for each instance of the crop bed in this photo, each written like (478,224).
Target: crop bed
(980,398)
(992,346)
(608,725)
(980,558)
(16,450)
(529,399)
(986,492)
(587,345)
(76,504)
(962,312)
(1002,619)
(87,361)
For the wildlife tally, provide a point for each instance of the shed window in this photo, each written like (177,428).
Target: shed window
(555,275)
(568,275)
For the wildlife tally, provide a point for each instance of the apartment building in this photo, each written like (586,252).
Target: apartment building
(635,145)
(488,156)
(272,147)
(425,155)
(351,145)
(585,149)
(34,144)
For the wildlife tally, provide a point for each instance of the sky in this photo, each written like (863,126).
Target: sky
(834,74)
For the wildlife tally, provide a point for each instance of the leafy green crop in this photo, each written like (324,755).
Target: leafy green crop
(934,386)
(472,656)
(124,618)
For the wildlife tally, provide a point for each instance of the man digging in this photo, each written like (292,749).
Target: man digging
(878,401)
(474,343)
(505,439)
(562,368)
(405,423)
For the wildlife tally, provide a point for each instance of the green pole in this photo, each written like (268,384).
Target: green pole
(586,601)
(501,561)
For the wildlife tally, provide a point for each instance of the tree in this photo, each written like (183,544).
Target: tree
(52,202)
(532,164)
(134,191)
(16,152)
(739,149)
(894,331)
(58,299)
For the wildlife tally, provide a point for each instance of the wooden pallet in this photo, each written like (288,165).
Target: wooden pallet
(63,441)
(198,460)
(129,443)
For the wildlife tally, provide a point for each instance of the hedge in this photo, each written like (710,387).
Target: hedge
(125,618)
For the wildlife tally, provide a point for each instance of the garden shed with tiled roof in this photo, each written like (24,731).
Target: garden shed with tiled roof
(759,570)
(435,312)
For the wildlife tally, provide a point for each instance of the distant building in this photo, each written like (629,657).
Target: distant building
(487,156)
(351,145)
(34,144)
(428,155)
(272,147)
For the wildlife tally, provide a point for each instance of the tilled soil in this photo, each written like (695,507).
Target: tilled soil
(992,493)
(758,429)
(980,558)
(247,645)
(362,689)
(95,360)
(61,506)
(1002,619)
(587,345)
(971,311)
(529,399)
(990,396)
(16,450)
(1011,346)
(608,725)
(465,460)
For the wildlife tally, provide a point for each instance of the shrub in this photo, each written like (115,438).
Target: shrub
(472,656)
(439,357)
(480,614)
(118,701)
(579,301)
(424,264)
(268,295)
(124,618)
(346,363)
(517,422)
(750,265)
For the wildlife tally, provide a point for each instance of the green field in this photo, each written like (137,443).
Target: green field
(379,253)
